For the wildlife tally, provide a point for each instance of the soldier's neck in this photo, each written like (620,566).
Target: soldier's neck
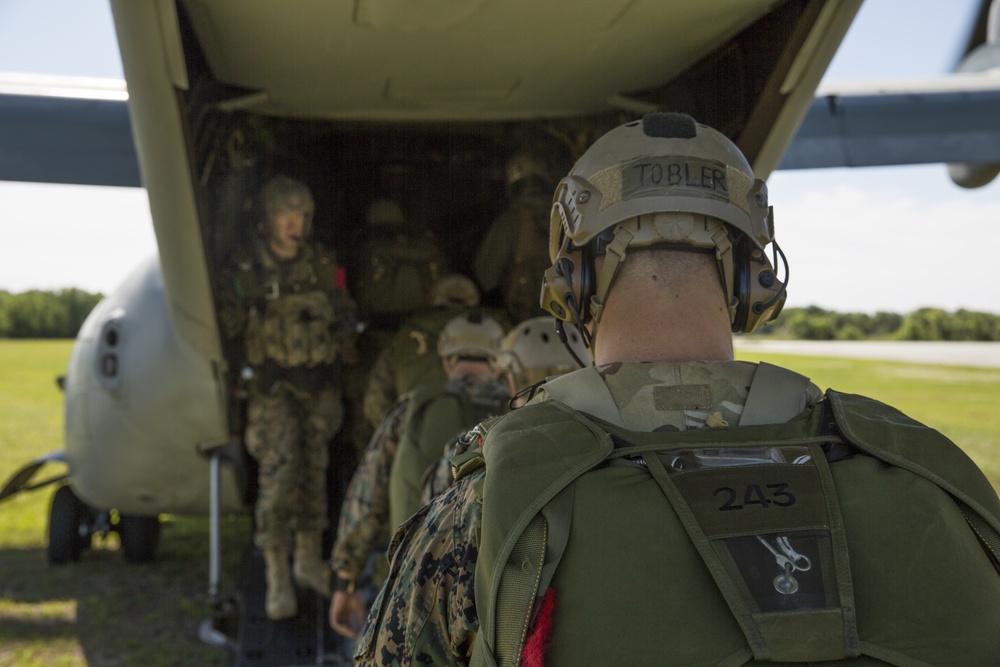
(663,330)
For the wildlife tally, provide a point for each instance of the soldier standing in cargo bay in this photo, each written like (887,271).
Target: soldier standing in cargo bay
(288,302)
(671,505)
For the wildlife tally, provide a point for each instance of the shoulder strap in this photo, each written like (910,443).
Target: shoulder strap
(776,396)
(526,476)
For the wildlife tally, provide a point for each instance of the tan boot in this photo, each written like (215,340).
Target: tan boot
(280,601)
(310,571)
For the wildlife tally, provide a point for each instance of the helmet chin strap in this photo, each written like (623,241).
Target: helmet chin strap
(613,257)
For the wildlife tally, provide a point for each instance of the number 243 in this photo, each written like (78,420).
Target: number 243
(754,494)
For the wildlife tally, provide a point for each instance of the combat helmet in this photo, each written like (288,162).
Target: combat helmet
(283,193)
(471,334)
(454,290)
(663,180)
(532,351)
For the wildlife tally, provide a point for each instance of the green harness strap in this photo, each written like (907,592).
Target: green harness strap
(528,508)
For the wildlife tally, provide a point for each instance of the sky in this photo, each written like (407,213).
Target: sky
(859,240)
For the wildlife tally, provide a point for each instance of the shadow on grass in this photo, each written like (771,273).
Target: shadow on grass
(115,612)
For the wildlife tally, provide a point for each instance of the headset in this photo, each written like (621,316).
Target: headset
(627,191)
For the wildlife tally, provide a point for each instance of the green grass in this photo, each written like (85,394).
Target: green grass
(961,402)
(101,610)
(104,611)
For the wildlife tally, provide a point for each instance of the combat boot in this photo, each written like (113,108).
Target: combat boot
(280,601)
(310,570)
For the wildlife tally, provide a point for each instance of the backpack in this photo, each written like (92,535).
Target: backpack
(434,415)
(773,551)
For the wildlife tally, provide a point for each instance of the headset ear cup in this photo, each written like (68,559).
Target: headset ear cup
(559,293)
(741,284)
(585,287)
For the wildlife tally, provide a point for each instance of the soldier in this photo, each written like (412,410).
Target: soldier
(385,488)
(410,359)
(400,262)
(514,252)
(288,303)
(671,505)
(397,265)
(531,353)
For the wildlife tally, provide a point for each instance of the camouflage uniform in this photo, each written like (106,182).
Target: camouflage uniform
(426,612)
(443,476)
(515,252)
(294,318)
(289,433)
(364,515)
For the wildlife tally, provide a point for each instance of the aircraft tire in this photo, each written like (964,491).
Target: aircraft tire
(140,537)
(65,519)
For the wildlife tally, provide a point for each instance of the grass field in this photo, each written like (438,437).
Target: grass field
(104,611)
(101,610)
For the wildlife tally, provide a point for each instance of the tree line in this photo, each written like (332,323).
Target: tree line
(814,323)
(59,314)
(45,314)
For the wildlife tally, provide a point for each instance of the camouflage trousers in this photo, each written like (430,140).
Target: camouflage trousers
(288,433)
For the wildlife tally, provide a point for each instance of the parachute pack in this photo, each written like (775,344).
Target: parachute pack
(793,542)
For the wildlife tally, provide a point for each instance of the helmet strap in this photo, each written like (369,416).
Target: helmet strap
(727,268)
(613,258)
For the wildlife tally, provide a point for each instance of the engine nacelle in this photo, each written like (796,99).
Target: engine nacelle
(141,406)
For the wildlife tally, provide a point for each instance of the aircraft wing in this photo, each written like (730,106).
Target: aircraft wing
(953,118)
(78,132)
(66,130)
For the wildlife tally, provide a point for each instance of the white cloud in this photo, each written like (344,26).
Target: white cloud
(858,246)
(56,236)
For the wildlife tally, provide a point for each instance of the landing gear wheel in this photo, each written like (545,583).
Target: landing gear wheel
(140,536)
(66,519)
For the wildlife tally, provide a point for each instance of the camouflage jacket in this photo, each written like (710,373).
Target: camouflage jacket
(426,612)
(364,515)
(293,313)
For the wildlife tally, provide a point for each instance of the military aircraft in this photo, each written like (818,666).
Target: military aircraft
(422,101)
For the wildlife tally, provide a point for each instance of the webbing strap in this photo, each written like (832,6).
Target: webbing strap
(986,533)
(518,589)
(613,257)
(776,396)
(737,604)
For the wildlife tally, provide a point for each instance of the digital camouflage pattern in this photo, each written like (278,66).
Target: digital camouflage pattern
(288,433)
(426,613)
(514,253)
(364,514)
(294,318)
(443,475)
(292,313)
